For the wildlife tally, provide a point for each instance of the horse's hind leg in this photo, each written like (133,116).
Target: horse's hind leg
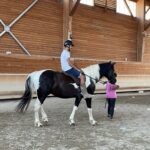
(37,107)
(89,108)
(44,116)
(41,94)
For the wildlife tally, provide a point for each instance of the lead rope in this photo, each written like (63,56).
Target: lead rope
(100,81)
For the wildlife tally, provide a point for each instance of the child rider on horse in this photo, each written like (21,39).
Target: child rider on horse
(68,67)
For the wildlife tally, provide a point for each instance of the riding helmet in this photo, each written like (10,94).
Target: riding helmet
(68,43)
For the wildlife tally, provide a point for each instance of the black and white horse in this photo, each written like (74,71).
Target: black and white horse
(47,82)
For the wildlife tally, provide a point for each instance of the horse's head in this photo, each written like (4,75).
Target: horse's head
(107,70)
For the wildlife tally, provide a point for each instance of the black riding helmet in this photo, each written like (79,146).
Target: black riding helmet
(68,43)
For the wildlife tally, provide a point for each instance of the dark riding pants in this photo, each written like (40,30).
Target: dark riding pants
(111,106)
(73,72)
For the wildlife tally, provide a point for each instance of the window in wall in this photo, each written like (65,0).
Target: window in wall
(147,16)
(122,8)
(87,2)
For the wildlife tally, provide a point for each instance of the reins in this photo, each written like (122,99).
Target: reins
(100,81)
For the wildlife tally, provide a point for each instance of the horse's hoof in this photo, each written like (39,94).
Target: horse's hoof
(38,124)
(45,123)
(93,122)
(71,123)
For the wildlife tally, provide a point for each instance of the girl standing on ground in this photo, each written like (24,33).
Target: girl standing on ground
(111,97)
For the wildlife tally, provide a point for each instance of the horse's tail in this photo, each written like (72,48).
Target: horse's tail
(26,98)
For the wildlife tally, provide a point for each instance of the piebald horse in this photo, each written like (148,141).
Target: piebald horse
(46,82)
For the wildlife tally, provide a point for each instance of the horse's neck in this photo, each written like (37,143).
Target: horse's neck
(92,71)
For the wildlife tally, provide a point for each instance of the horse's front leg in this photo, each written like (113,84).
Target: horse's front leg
(75,108)
(37,107)
(89,108)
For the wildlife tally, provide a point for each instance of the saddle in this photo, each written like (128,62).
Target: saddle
(76,80)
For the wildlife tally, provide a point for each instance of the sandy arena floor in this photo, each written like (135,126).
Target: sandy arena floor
(129,130)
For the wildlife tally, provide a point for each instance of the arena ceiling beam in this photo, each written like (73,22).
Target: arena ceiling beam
(125,1)
(147,10)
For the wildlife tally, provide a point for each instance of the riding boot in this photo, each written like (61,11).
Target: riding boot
(85,93)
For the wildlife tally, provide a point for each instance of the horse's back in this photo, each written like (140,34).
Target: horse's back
(48,79)
(35,77)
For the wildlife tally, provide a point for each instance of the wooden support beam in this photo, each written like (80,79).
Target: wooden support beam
(147,10)
(66,4)
(147,25)
(67,18)
(141,20)
(128,9)
(70,28)
(74,7)
(106,5)
(134,0)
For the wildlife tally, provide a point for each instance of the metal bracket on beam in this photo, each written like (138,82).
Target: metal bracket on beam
(7,28)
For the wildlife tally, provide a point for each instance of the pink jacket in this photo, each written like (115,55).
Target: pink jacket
(111,90)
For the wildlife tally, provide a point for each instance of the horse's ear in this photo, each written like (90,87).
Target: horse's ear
(113,63)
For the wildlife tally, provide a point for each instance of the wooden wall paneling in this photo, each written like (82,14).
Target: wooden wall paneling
(24,64)
(40,30)
(98,35)
(122,68)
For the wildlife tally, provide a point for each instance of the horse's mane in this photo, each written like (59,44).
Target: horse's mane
(92,70)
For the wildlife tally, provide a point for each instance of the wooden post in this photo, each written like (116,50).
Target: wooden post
(105,5)
(147,25)
(69,8)
(141,20)
(74,7)
(66,7)
(70,28)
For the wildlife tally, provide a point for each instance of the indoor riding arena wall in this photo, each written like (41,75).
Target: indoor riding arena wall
(39,30)
(105,35)
(98,36)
